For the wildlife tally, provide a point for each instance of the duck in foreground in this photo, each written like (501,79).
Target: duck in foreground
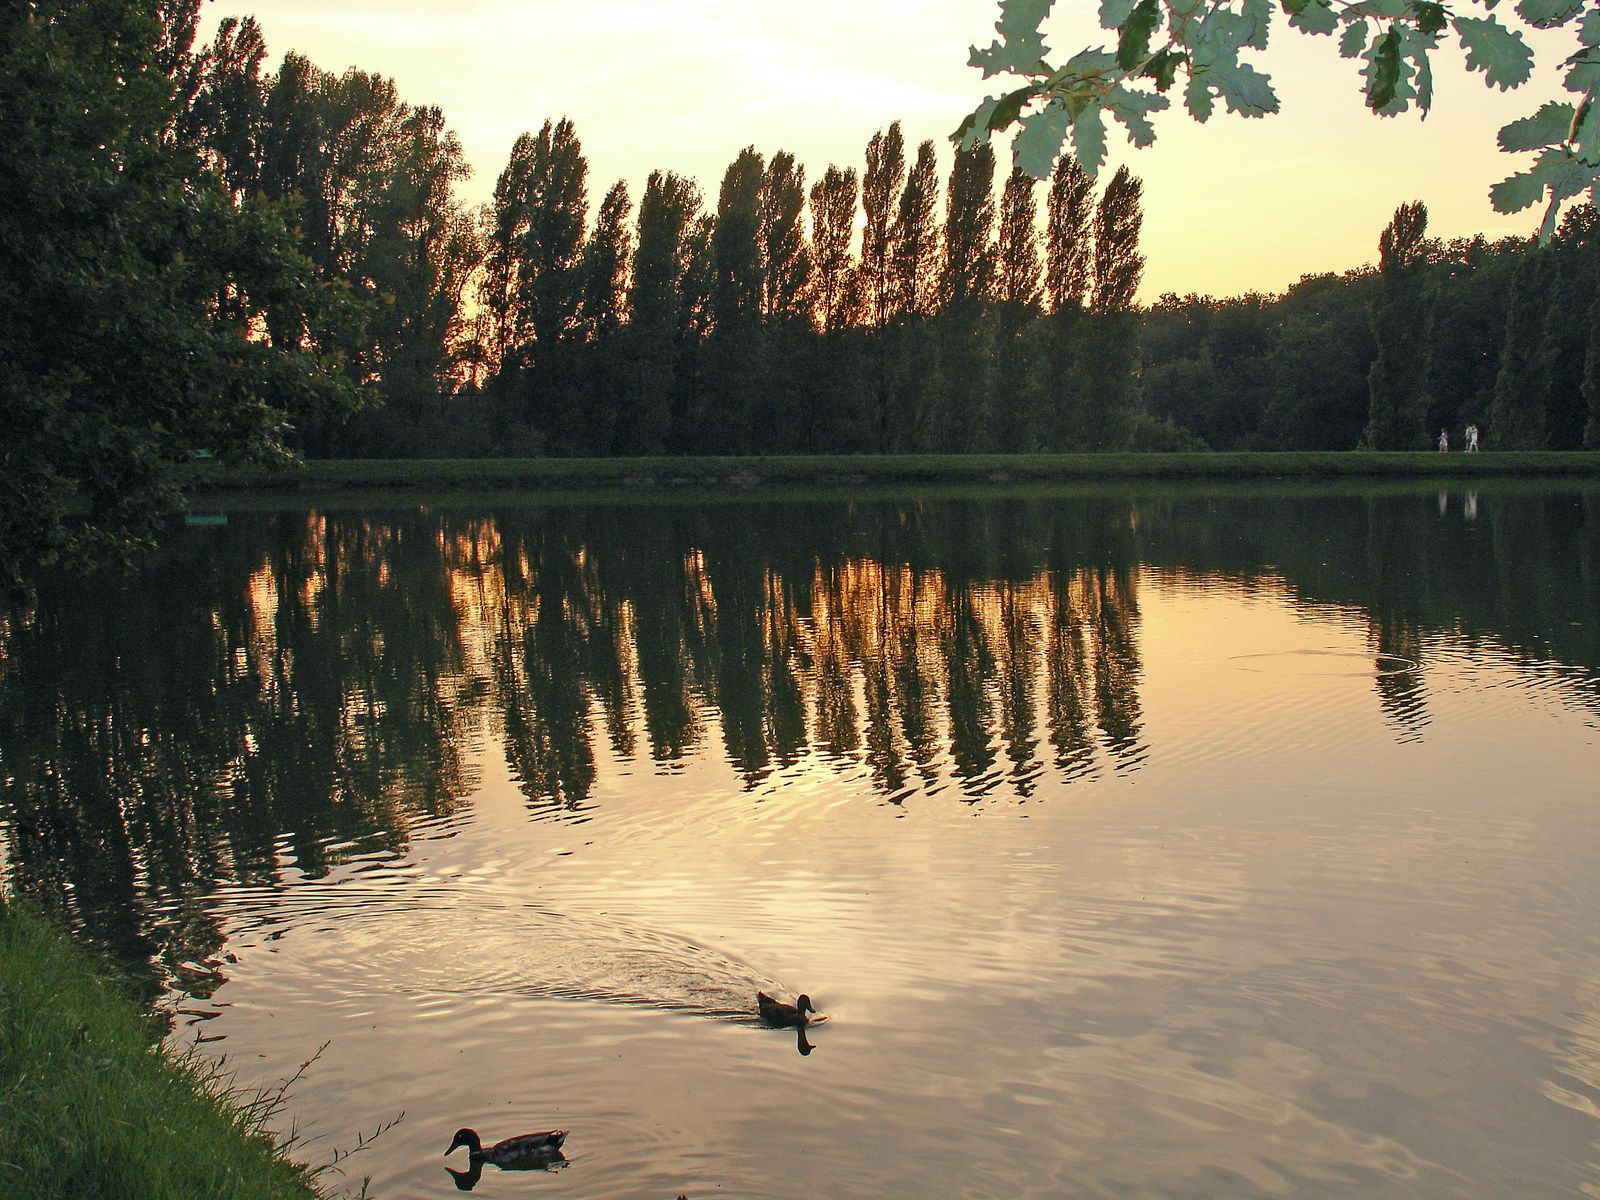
(525,1149)
(776,1012)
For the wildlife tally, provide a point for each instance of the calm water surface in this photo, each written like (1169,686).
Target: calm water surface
(1146,843)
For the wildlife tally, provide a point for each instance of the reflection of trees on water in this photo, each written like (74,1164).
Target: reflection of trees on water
(288,692)
(1520,566)
(775,630)
(243,703)
(304,689)
(1401,693)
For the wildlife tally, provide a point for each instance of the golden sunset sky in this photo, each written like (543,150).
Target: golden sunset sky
(1231,206)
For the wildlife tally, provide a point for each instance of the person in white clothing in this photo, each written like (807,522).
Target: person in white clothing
(1444,440)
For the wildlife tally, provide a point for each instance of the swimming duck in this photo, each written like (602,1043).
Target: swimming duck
(514,1151)
(776,1012)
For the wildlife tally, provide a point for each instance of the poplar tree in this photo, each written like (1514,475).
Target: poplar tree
(957,408)
(1118,265)
(655,299)
(695,324)
(505,234)
(1108,396)
(1017,244)
(1517,418)
(225,116)
(1401,318)
(603,272)
(841,394)
(901,416)
(881,189)
(419,255)
(786,281)
(1017,292)
(915,263)
(1062,381)
(558,208)
(604,266)
(786,261)
(734,355)
(1591,379)
(967,273)
(293,154)
(833,217)
(1069,244)
(738,288)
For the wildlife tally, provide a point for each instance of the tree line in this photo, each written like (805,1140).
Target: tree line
(960,650)
(1440,334)
(200,255)
(669,323)
(896,308)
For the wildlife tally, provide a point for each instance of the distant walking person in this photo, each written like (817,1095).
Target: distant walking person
(1444,440)
(1472,439)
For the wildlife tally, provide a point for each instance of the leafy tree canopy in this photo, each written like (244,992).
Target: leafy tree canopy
(1201,49)
(145,313)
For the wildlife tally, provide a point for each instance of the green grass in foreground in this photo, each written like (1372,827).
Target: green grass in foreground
(824,470)
(91,1105)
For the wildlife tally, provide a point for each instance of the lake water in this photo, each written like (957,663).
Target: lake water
(1138,842)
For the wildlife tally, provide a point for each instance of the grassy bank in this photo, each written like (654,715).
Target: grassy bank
(565,474)
(92,1106)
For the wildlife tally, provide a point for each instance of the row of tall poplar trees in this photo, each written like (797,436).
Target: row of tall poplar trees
(755,327)
(760,323)
(903,307)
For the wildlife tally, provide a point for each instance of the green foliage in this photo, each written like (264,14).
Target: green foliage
(1063,104)
(1017,244)
(603,268)
(92,1107)
(1118,265)
(785,250)
(881,186)
(833,218)
(1069,246)
(968,270)
(657,309)
(1522,388)
(1401,317)
(371,181)
(914,261)
(145,312)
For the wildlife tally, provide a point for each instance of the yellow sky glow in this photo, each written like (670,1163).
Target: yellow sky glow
(1231,206)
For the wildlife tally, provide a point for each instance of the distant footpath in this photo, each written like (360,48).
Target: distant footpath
(625,474)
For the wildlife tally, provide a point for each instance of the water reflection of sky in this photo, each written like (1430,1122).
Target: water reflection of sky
(1123,868)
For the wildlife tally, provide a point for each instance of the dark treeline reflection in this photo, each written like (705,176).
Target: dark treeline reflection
(307,689)
(912,638)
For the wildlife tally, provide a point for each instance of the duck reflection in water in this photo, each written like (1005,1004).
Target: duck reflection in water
(528,1152)
(801,1044)
(468,1179)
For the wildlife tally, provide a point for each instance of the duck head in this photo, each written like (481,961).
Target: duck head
(804,1005)
(469,1139)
